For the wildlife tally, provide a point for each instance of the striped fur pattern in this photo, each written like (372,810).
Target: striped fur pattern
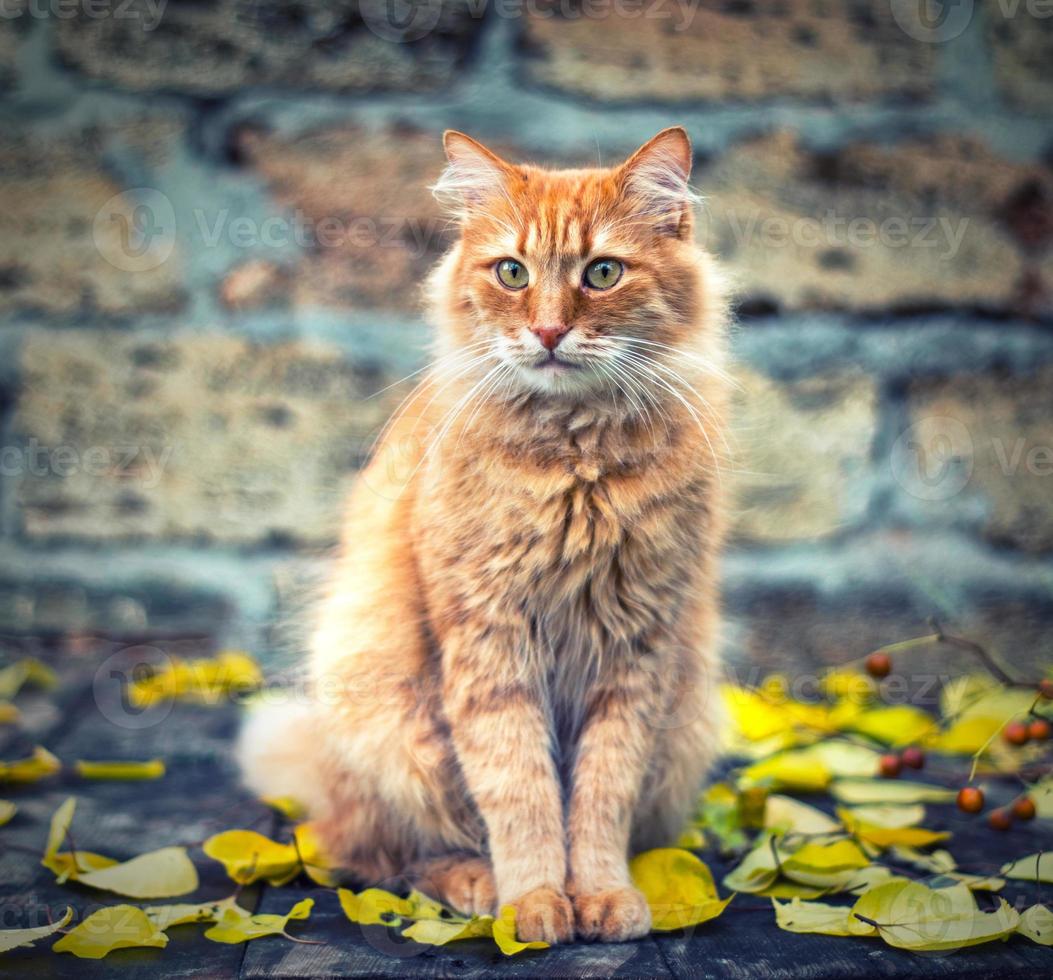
(513,668)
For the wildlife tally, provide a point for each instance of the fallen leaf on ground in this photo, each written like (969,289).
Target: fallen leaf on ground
(234,926)
(39,765)
(153,769)
(115,927)
(249,856)
(1037,924)
(678,887)
(13,938)
(1034,867)
(866,791)
(164,873)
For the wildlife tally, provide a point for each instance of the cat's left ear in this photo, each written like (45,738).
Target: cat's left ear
(473,174)
(656,176)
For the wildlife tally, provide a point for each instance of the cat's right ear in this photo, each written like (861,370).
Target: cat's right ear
(473,173)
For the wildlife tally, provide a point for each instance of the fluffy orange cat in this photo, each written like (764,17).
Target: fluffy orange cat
(512,673)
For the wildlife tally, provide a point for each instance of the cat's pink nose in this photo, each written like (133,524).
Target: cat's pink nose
(550,336)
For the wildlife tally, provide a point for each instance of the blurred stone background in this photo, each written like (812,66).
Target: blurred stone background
(215,222)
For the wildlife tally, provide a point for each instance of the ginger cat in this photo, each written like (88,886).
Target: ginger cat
(513,672)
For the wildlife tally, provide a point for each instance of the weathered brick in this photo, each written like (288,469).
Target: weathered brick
(70,239)
(222,46)
(1022,50)
(712,50)
(254,284)
(193,437)
(371,226)
(10,35)
(800,456)
(984,443)
(939,223)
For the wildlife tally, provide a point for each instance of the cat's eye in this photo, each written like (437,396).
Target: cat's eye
(512,274)
(603,273)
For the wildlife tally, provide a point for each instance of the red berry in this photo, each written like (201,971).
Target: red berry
(1000,820)
(970,799)
(913,757)
(1016,733)
(879,665)
(1045,688)
(1038,730)
(1024,808)
(890,766)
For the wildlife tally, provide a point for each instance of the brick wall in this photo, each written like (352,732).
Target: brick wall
(215,223)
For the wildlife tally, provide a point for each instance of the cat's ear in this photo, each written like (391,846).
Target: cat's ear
(656,177)
(473,173)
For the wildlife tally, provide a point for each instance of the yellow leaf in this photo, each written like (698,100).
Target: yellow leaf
(205,681)
(966,736)
(249,857)
(154,769)
(890,817)
(320,868)
(24,672)
(755,717)
(678,887)
(890,791)
(758,869)
(69,867)
(439,932)
(911,916)
(167,916)
(784,813)
(9,714)
(164,873)
(59,827)
(887,836)
(7,811)
(39,765)
(1037,924)
(846,759)
(504,932)
(374,906)
(816,917)
(851,684)
(791,889)
(795,770)
(287,806)
(13,938)
(938,862)
(115,927)
(895,725)
(234,926)
(1034,867)
(839,855)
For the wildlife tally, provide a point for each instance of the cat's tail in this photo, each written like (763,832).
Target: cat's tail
(279,750)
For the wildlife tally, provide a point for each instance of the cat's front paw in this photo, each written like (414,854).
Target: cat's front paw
(612,916)
(544,914)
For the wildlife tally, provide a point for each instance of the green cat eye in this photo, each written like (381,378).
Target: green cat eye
(512,274)
(603,273)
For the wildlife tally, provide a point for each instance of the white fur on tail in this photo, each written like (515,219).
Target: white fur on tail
(278,751)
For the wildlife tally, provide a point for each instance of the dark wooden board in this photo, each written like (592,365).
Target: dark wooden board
(200,796)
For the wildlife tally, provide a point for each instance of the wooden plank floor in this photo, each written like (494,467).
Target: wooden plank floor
(200,796)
